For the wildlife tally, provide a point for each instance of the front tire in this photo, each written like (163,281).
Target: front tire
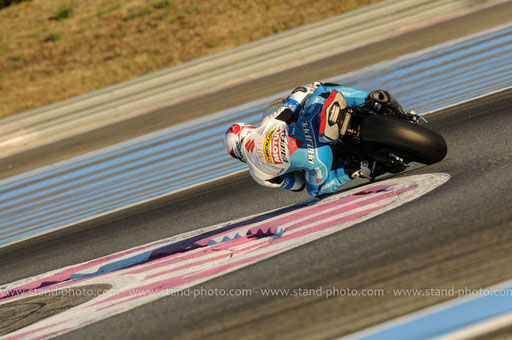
(412,141)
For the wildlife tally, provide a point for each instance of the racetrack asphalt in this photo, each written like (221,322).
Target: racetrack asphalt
(457,236)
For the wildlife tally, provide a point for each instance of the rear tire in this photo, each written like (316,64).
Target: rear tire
(412,141)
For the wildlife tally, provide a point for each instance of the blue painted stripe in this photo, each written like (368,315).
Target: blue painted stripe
(469,46)
(450,79)
(448,319)
(171,159)
(97,194)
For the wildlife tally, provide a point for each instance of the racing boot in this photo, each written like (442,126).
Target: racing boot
(364,171)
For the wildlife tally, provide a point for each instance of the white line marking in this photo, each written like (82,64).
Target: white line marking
(480,328)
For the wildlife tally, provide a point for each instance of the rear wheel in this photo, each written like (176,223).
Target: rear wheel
(410,141)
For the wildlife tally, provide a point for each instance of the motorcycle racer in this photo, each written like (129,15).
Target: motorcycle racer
(292,147)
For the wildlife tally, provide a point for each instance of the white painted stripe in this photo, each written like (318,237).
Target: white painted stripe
(480,328)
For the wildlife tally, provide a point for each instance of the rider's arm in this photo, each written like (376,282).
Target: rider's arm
(293,181)
(297,99)
(289,110)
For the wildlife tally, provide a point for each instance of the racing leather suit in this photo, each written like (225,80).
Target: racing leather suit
(291,155)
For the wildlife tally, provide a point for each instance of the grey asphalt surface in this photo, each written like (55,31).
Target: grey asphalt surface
(456,236)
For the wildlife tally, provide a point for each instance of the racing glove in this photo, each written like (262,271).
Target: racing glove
(292,181)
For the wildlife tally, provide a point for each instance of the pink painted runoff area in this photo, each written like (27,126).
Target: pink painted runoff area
(144,274)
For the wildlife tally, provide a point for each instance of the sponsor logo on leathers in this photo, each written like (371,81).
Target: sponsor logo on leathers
(294,144)
(283,147)
(276,157)
(266,147)
(250,145)
(309,142)
(259,151)
(275,148)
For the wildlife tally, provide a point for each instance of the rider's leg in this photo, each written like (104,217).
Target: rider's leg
(335,180)
(362,169)
(316,158)
(314,155)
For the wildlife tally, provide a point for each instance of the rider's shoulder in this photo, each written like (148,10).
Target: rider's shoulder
(270,123)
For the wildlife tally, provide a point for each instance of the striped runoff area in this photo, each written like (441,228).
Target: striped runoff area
(125,280)
(162,162)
